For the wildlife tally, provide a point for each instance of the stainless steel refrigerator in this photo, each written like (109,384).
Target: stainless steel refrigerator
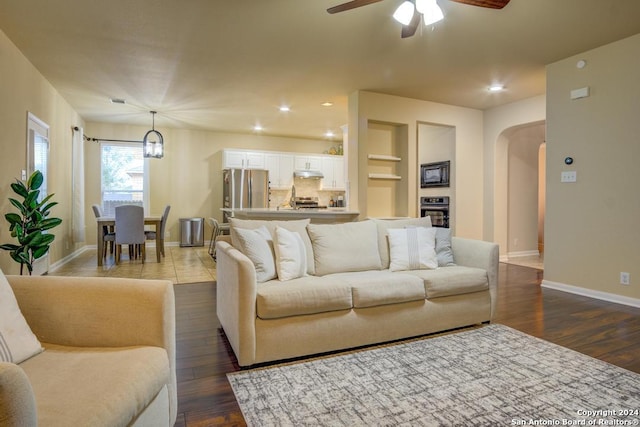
(245,188)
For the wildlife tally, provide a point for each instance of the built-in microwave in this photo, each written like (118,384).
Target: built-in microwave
(434,174)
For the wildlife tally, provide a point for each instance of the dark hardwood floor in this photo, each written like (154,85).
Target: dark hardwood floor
(607,331)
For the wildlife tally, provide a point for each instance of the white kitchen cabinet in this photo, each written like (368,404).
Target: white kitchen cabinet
(280,167)
(243,159)
(332,168)
(313,163)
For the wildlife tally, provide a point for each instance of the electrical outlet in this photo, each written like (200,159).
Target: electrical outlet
(625,278)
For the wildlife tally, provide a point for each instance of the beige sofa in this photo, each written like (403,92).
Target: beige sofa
(108,359)
(349,297)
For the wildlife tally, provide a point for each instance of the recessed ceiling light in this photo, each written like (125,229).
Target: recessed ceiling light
(496,88)
(258,128)
(118,101)
(327,104)
(329,134)
(285,108)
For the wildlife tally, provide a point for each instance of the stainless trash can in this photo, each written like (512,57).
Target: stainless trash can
(191,232)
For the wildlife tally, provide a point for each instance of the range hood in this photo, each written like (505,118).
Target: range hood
(307,174)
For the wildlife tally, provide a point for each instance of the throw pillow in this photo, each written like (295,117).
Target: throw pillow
(17,342)
(351,246)
(444,251)
(258,247)
(291,256)
(412,248)
(299,225)
(385,224)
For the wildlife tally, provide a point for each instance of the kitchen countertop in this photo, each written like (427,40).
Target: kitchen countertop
(327,215)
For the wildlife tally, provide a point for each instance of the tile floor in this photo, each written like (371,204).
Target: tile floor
(180,265)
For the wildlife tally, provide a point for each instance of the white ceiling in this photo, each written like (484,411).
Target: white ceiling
(229,64)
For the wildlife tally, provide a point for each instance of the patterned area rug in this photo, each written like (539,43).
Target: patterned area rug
(483,377)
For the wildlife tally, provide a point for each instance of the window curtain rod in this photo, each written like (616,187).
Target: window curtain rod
(86,138)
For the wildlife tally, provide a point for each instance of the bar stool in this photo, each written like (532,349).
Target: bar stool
(217,229)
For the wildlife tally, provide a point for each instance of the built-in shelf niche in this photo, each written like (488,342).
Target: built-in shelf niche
(386,170)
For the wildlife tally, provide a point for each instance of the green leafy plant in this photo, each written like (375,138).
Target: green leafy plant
(29,225)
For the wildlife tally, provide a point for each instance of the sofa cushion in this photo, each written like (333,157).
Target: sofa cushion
(299,225)
(17,341)
(291,257)
(351,246)
(257,245)
(95,386)
(305,295)
(373,288)
(454,280)
(382,225)
(412,248)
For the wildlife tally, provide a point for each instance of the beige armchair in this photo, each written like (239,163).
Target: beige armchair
(109,355)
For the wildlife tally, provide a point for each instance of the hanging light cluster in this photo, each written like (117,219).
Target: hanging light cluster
(153,142)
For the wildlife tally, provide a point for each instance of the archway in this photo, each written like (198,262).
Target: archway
(518,219)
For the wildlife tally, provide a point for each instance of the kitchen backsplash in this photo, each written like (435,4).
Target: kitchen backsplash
(304,188)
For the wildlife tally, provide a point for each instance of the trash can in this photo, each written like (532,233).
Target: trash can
(191,232)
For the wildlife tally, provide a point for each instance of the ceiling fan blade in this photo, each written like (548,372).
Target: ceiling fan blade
(492,4)
(410,30)
(351,5)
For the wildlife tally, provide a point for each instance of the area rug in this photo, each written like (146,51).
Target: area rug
(482,377)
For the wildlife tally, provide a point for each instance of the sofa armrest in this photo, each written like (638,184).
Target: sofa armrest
(101,312)
(17,402)
(236,300)
(479,254)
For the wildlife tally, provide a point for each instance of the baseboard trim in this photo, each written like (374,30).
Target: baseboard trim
(69,257)
(521,254)
(604,296)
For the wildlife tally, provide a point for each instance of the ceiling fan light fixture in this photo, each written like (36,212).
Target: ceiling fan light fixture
(153,142)
(404,12)
(430,10)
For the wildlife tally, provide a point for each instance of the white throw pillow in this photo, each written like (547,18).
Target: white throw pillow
(258,247)
(17,342)
(299,225)
(412,248)
(291,256)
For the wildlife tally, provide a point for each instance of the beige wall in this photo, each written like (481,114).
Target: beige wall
(189,177)
(22,90)
(365,107)
(592,228)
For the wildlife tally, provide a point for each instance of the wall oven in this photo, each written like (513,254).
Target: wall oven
(437,208)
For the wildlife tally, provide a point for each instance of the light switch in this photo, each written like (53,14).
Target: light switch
(24,174)
(569,176)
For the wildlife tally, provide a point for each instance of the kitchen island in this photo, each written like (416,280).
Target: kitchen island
(317,215)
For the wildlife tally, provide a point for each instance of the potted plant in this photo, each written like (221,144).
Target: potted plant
(30,224)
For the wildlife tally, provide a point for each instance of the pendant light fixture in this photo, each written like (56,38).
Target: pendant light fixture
(153,142)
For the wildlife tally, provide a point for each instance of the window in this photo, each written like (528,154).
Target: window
(123,176)
(38,151)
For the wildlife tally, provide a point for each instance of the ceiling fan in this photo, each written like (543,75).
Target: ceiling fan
(406,12)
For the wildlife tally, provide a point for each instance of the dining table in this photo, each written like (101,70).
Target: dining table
(110,221)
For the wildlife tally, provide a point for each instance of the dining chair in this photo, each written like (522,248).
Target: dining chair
(130,230)
(109,236)
(217,229)
(151,234)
